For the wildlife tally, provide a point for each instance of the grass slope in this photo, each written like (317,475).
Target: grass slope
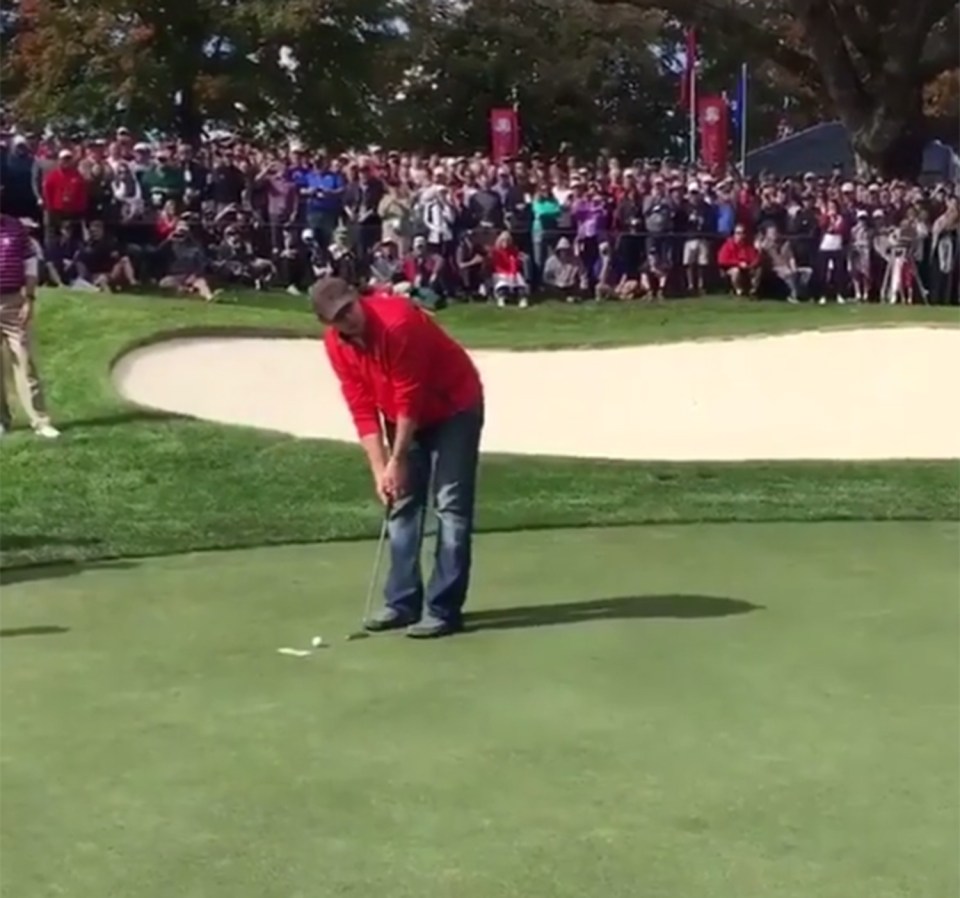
(124,482)
(734,711)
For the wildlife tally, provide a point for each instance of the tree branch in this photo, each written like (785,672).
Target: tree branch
(823,32)
(862,35)
(725,19)
(941,52)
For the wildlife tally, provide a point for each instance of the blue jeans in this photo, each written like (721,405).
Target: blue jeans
(451,450)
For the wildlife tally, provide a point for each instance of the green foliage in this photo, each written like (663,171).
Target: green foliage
(578,74)
(132,60)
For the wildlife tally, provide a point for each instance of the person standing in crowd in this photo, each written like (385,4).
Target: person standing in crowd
(20,168)
(18,291)
(65,196)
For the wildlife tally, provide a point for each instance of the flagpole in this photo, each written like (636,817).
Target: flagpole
(693,112)
(743,119)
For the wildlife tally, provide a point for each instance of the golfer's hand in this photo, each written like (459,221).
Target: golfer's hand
(393,480)
(26,312)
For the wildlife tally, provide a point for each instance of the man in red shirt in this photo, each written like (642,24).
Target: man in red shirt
(65,196)
(739,260)
(395,362)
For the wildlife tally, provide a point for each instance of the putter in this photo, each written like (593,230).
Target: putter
(368,607)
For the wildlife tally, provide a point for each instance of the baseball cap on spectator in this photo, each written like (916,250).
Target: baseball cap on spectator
(847,187)
(65,154)
(419,242)
(693,187)
(306,235)
(563,243)
(878,213)
(19,140)
(141,147)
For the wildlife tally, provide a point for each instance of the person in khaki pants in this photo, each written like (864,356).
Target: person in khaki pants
(18,285)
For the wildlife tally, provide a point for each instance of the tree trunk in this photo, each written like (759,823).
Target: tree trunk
(187,118)
(893,144)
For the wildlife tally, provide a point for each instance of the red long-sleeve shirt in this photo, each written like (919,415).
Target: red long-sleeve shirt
(407,367)
(506,261)
(65,192)
(738,255)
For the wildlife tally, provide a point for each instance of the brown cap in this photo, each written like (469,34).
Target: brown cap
(330,296)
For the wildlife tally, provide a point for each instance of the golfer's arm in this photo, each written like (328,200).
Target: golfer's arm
(406,428)
(375,450)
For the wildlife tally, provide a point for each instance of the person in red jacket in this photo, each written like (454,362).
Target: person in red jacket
(65,196)
(507,265)
(739,260)
(395,363)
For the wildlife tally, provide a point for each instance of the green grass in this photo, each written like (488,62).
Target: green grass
(711,711)
(123,482)
(752,710)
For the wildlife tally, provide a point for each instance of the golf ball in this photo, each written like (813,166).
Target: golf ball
(317,641)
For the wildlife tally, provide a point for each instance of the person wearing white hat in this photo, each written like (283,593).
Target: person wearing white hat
(693,218)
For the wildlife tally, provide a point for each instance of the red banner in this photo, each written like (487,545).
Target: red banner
(504,133)
(712,118)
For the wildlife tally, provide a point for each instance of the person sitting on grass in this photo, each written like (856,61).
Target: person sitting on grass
(386,266)
(739,260)
(61,257)
(236,262)
(100,262)
(562,272)
(776,255)
(292,261)
(472,266)
(610,279)
(508,280)
(422,272)
(186,264)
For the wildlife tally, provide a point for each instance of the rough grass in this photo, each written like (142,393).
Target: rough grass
(125,482)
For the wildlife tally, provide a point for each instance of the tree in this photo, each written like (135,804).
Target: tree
(872,59)
(178,66)
(577,75)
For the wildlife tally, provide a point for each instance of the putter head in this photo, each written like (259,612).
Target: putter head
(357,634)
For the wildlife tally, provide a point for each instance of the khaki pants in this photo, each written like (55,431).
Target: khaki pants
(15,346)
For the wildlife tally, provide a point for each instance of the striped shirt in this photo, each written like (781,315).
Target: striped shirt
(15,249)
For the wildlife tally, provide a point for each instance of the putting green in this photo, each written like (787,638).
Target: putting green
(712,711)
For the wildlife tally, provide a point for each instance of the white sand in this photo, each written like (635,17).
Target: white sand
(854,394)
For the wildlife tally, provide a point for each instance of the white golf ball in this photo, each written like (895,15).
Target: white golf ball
(317,641)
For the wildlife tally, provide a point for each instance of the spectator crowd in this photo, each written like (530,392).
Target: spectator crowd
(113,214)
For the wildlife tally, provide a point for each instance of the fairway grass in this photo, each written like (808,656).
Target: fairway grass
(738,711)
(124,482)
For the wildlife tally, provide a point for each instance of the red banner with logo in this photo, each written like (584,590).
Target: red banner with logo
(504,133)
(712,118)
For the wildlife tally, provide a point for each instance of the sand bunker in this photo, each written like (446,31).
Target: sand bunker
(858,394)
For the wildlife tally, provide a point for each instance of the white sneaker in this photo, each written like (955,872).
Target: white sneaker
(293,290)
(822,301)
(524,302)
(47,431)
(501,302)
(841,301)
